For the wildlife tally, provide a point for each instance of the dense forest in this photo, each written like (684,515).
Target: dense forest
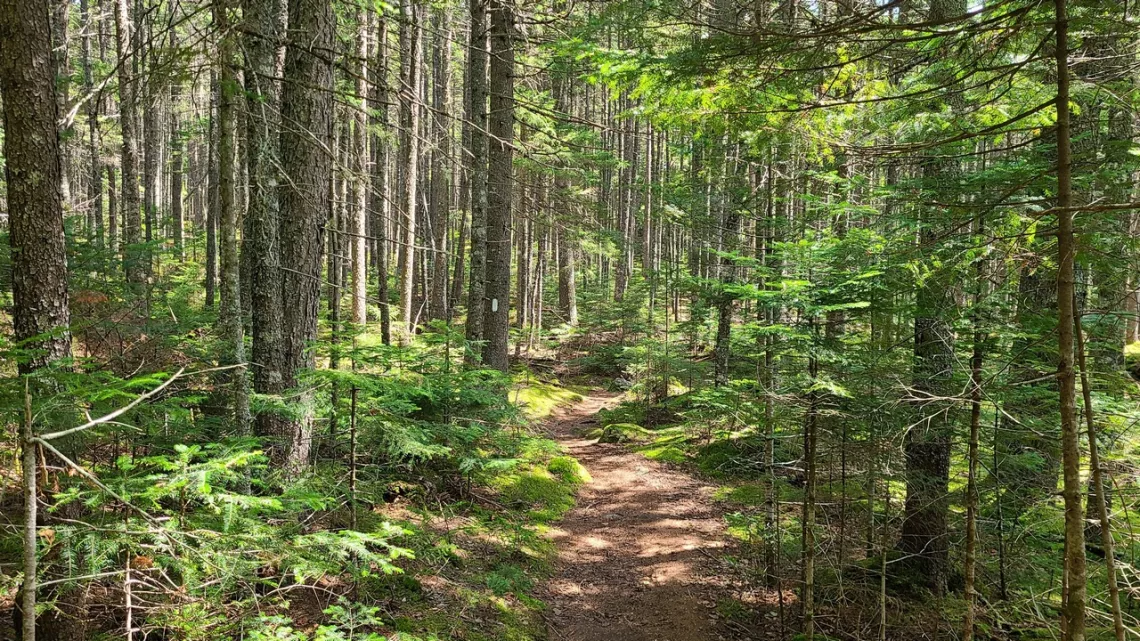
(592,320)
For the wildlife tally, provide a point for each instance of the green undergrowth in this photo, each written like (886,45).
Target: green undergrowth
(479,561)
(539,396)
(440,536)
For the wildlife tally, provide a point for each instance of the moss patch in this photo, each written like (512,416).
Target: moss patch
(624,433)
(538,399)
(569,470)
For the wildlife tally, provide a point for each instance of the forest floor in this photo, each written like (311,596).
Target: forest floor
(636,555)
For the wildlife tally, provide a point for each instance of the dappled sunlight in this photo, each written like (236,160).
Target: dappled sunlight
(632,553)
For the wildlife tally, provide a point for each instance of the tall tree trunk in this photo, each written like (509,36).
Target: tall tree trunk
(459,268)
(95,168)
(213,205)
(567,287)
(229,312)
(60,20)
(441,167)
(725,301)
(500,186)
(927,445)
(1097,495)
(811,421)
(264,24)
(177,219)
(307,98)
(358,219)
(133,256)
(112,212)
(1073,608)
(334,270)
(381,181)
(152,142)
(976,362)
(476,124)
(567,252)
(33,172)
(770,315)
(411,35)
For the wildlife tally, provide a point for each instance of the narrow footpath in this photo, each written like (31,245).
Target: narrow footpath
(635,555)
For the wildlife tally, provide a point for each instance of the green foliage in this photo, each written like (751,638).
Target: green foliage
(546,496)
(508,579)
(569,470)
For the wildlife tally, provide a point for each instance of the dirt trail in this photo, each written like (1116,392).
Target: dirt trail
(632,554)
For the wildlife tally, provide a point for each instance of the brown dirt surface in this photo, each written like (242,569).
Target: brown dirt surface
(635,555)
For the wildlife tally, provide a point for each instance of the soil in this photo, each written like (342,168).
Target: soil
(636,554)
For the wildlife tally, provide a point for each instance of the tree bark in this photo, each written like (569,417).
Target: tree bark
(95,165)
(112,212)
(477,150)
(1073,608)
(62,77)
(441,167)
(177,219)
(976,362)
(33,171)
(927,445)
(307,98)
(152,137)
(567,286)
(567,253)
(411,34)
(133,256)
(811,421)
(229,313)
(358,220)
(213,205)
(1097,496)
(264,21)
(500,186)
(381,181)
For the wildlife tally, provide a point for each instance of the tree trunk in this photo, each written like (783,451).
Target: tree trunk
(33,172)
(567,253)
(477,168)
(152,142)
(112,212)
(133,256)
(1073,608)
(307,98)
(1097,495)
(95,168)
(229,312)
(264,21)
(976,362)
(725,301)
(381,182)
(459,269)
(213,205)
(500,184)
(62,96)
(177,220)
(567,287)
(358,218)
(411,34)
(807,596)
(927,443)
(441,170)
